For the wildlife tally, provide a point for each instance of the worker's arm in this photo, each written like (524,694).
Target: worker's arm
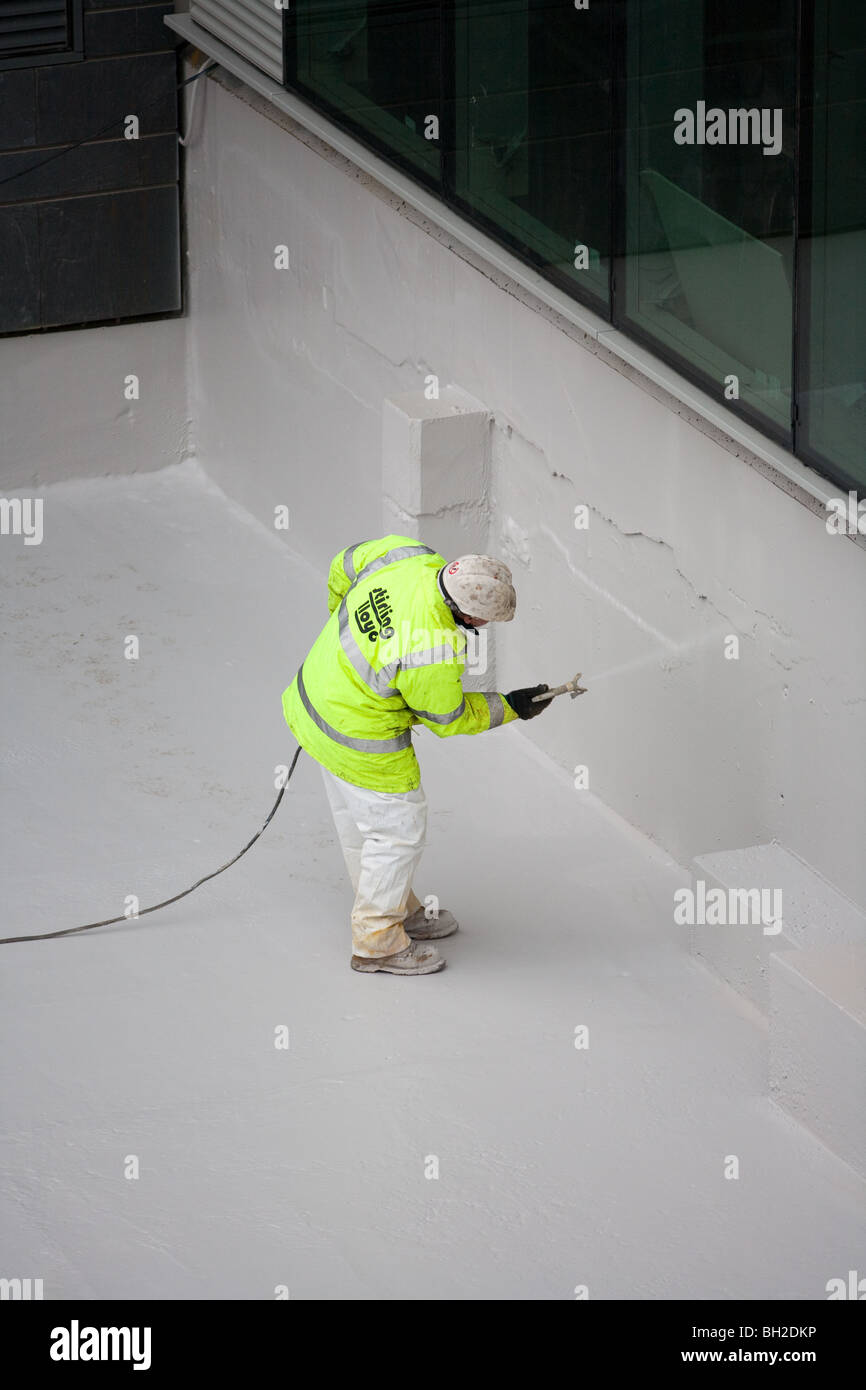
(341,576)
(435,695)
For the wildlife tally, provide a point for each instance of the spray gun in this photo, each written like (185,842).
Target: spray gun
(572,687)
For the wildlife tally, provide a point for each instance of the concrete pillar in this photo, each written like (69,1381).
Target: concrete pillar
(435,485)
(435,469)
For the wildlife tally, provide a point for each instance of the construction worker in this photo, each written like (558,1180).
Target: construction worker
(390,656)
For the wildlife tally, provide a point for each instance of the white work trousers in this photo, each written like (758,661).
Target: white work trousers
(382,836)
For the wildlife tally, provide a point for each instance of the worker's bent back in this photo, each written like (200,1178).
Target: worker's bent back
(390,656)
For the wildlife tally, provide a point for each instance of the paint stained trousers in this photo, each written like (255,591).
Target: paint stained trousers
(382,836)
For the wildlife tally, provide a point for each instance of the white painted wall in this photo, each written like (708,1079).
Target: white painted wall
(687,543)
(63,412)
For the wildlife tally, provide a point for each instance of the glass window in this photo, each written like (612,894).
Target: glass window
(377,64)
(647,156)
(532,132)
(833,252)
(709,248)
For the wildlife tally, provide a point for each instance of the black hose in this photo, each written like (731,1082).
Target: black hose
(109,921)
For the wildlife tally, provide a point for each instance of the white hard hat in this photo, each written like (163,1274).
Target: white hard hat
(480,587)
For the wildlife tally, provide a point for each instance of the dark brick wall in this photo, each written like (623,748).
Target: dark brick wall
(93,234)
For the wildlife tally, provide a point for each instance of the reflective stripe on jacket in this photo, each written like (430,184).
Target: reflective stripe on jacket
(390,656)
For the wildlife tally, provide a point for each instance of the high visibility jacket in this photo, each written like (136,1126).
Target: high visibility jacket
(390,656)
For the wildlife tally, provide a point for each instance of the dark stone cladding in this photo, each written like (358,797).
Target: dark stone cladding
(92,233)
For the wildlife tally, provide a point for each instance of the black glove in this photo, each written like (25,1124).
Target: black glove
(521,701)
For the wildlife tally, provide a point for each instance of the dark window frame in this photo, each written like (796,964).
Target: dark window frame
(805,231)
(445,188)
(356,129)
(779,434)
(38,57)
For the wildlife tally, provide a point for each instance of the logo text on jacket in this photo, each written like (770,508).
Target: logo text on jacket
(373,616)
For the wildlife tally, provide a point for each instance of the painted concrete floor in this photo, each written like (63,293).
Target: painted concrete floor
(305,1167)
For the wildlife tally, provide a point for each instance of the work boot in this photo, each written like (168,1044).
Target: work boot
(414,960)
(420,928)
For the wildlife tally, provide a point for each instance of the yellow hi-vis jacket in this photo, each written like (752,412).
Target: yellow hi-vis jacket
(390,656)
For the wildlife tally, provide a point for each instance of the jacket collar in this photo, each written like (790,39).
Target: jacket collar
(451,605)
